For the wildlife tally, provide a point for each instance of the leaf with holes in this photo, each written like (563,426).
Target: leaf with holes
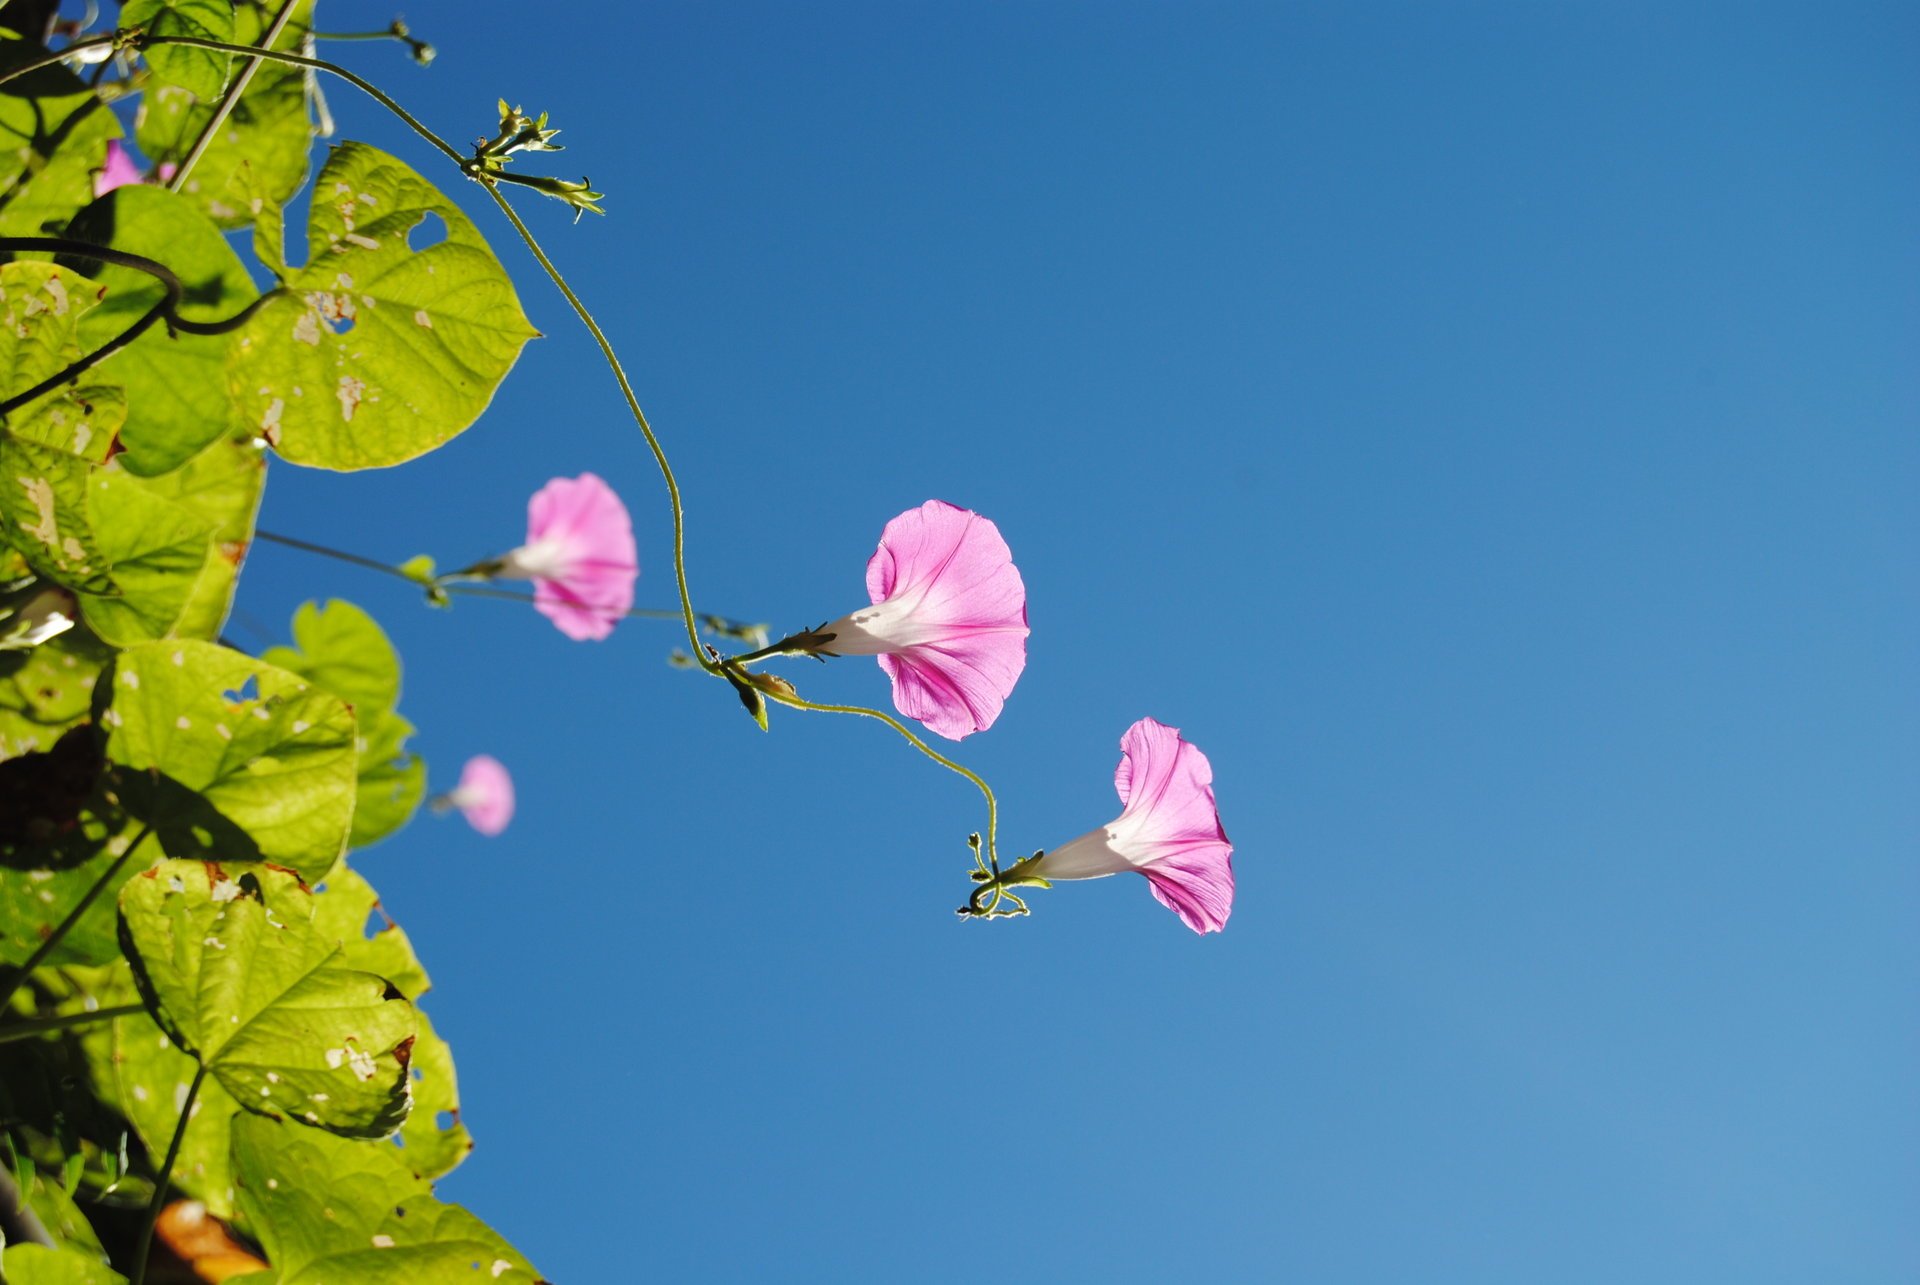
(340,647)
(357,1214)
(231,758)
(226,956)
(382,351)
(202,72)
(53,139)
(175,383)
(269,132)
(345,907)
(44,509)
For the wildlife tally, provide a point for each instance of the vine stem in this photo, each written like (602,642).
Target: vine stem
(719,624)
(612,358)
(633,405)
(820,707)
(165,1177)
(65,926)
(40,1025)
(296,60)
(230,99)
(58,56)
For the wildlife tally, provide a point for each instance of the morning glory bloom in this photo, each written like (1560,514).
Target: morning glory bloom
(579,554)
(484,795)
(119,170)
(1168,830)
(948,622)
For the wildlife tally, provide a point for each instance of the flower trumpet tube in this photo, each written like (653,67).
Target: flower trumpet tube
(1168,830)
(948,622)
(580,555)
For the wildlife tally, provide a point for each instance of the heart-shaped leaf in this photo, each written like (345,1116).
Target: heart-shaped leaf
(229,960)
(384,348)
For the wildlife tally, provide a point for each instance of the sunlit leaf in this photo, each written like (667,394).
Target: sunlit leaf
(388,346)
(221,487)
(358,1214)
(238,976)
(433,1140)
(232,758)
(340,648)
(156,551)
(34,901)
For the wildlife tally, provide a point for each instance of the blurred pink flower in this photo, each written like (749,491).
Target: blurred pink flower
(1168,830)
(118,171)
(579,554)
(484,795)
(949,618)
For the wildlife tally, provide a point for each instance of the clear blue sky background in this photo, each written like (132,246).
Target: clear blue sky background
(1487,429)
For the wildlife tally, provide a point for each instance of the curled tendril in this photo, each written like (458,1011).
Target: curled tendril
(993,896)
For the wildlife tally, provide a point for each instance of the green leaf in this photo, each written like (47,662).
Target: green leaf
(221,487)
(269,132)
(29,1264)
(157,551)
(175,384)
(53,139)
(344,908)
(202,72)
(45,510)
(229,757)
(383,350)
(357,1214)
(148,1076)
(340,648)
(239,977)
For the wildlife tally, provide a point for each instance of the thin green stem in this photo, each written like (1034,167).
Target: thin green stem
(41,1025)
(230,98)
(65,926)
(639,417)
(307,546)
(59,55)
(165,1177)
(318,64)
(993,804)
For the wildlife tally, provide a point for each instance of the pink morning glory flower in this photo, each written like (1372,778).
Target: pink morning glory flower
(948,621)
(1168,830)
(119,170)
(579,554)
(484,795)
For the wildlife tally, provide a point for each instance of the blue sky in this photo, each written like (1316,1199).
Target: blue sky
(1486,429)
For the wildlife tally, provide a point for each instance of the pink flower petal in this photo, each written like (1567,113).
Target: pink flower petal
(485,794)
(580,555)
(118,171)
(1168,829)
(949,620)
